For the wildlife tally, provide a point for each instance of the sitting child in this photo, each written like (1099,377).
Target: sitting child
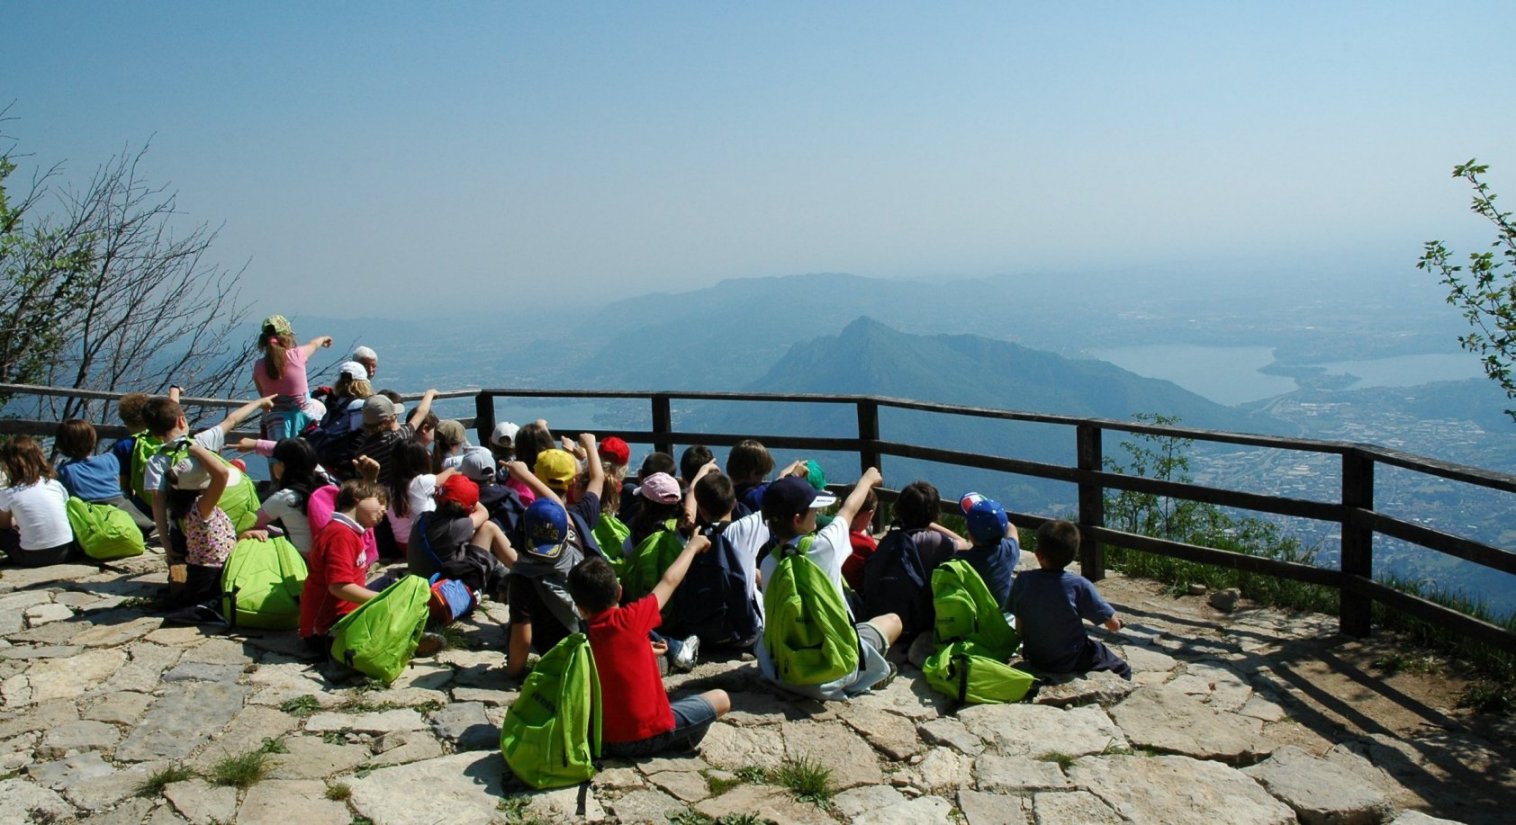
(640,721)
(1050,605)
(33,503)
(790,507)
(336,580)
(457,538)
(861,537)
(93,478)
(197,484)
(997,548)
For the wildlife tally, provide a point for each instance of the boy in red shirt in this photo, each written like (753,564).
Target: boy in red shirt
(337,573)
(641,722)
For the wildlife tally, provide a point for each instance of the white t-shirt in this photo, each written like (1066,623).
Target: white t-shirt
(748,535)
(830,549)
(41,513)
(419,494)
(157,467)
(297,526)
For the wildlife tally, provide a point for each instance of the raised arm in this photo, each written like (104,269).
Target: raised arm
(219,473)
(675,574)
(422,408)
(524,474)
(691,509)
(868,481)
(310,347)
(592,463)
(236,416)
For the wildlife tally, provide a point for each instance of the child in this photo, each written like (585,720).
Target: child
(33,503)
(790,506)
(94,478)
(690,461)
(640,721)
(165,421)
(133,451)
(631,501)
(916,510)
(281,373)
(861,537)
(997,548)
(411,490)
(503,446)
(530,440)
(196,486)
(295,474)
(1049,604)
(747,465)
(457,539)
(448,444)
(336,581)
(382,433)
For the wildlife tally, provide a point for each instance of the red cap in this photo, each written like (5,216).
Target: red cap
(615,450)
(460,489)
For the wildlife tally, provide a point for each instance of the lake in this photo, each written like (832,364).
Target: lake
(1229,375)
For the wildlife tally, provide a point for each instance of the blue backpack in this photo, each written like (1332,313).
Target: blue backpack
(506,510)
(895,581)
(714,601)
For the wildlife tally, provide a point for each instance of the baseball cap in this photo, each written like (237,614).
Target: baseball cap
(376,409)
(815,475)
(615,450)
(546,526)
(451,431)
(791,496)
(353,370)
(190,474)
(278,325)
(660,488)
(504,433)
(478,464)
(968,501)
(986,521)
(459,489)
(556,468)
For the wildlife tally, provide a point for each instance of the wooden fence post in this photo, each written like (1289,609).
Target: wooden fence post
(1355,610)
(663,424)
(484,416)
(868,434)
(1091,502)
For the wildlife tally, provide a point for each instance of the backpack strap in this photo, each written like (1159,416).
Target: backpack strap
(962,660)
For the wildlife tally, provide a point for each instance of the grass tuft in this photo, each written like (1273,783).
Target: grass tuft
(752,774)
(339,792)
(301,706)
(1064,760)
(242,771)
(808,779)
(153,786)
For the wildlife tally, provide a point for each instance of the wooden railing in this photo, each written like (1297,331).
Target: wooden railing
(1352,511)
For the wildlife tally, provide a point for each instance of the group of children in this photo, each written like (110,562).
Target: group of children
(544,525)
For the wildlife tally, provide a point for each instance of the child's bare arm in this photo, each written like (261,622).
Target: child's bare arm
(236,416)
(690,507)
(349,592)
(596,469)
(870,479)
(959,542)
(314,344)
(219,474)
(675,574)
(524,474)
(422,408)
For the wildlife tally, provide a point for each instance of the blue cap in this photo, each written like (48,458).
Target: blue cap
(986,521)
(546,526)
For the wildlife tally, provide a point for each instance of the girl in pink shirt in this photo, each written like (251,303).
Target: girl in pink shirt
(281,373)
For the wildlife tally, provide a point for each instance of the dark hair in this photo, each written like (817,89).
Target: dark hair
(649,517)
(300,462)
(917,506)
(358,489)
(656,462)
(1058,542)
(870,499)
(749,461)
(531,439)
(715,496)
(23,461)
(76,438)
(161,414)
(693,458)
(411,459)
(274,346)
(592,584)
(130,407)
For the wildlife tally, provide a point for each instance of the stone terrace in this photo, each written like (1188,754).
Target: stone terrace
(1249,717)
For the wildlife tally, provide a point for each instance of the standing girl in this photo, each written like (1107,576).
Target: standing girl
(281,373)
(195,487)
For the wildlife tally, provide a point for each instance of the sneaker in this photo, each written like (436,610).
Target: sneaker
(684,661)
(430,644)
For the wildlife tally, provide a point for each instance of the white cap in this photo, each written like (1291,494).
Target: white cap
(504,431)
(353,370)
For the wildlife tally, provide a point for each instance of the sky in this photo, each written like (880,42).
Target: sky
(406,159)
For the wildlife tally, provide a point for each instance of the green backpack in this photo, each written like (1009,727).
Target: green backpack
(102,531)
(145,445)
(972,673)
(611,533)
(379,637)
(261,584)
(807,630)
(653,555)
(966,610)
(239,501)
(551,734)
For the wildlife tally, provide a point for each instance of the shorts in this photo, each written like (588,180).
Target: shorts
(870,635)
(693,716)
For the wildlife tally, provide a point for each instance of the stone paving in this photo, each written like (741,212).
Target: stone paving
(1246,717)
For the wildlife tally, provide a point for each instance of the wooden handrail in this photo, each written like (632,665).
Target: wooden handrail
(1353,510)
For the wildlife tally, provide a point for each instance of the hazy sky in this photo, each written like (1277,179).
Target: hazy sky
(409,158)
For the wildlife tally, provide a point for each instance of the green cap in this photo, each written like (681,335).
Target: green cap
(277,325)
(815,475)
